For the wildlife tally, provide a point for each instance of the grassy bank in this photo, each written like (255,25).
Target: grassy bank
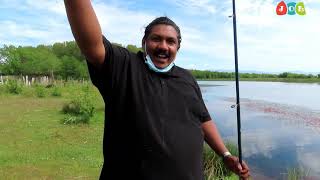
(214,168)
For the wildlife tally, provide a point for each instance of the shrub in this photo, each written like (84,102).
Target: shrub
(56,92)
(13,87)
(80,109)
(283,75)
(40,91)
(50,86)
(2,89)
(72,108)
(28,91)
(79,106)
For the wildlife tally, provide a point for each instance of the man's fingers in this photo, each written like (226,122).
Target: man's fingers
(244,165)
(245,168)
(244,171)
(245,175)
(239,167)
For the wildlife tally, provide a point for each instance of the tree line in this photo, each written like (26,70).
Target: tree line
(58,61)
(231,75)
(63,60)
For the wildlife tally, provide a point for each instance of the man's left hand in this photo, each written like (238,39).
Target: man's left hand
(232,163)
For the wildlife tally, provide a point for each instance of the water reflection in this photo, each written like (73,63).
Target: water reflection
(276,135)
(308,160)
(287,115)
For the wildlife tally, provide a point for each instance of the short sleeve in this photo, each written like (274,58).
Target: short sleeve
(115,66)
(203,111)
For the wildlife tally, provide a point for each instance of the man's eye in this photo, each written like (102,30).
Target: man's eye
(172,42)
(155,39)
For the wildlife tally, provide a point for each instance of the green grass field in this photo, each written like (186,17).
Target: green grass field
(34,144)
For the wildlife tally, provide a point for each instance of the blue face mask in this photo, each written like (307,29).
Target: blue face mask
(151,66)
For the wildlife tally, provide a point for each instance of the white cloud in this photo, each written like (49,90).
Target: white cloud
(22,34)
(270,42)
(259,143)
(266,41)
(306,2)
(33,23)
(122,25)
(309,162)
(196,6)
(54,6)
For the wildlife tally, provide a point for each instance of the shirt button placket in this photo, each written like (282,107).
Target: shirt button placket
(164,106)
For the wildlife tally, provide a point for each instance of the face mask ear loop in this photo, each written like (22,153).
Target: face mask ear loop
(145,49)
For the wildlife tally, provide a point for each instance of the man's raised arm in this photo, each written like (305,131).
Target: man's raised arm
(86,29)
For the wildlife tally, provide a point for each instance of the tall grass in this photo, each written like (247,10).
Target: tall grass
(40,91)
(214,168)
(56,92)
(297,173)
(2,89)
(13,87)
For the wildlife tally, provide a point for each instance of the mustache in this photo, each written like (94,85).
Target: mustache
(161,52)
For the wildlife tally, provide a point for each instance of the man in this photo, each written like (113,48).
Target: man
(155,118)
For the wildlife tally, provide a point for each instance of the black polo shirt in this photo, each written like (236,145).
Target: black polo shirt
(152,120)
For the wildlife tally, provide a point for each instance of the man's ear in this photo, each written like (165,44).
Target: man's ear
(143,42)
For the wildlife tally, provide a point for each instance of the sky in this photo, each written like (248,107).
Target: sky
(266,42)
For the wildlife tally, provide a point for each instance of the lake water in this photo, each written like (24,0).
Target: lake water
(280,124)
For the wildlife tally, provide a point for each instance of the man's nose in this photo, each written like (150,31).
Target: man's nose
(163,45)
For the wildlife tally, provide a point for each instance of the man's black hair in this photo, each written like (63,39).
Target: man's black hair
(162,20)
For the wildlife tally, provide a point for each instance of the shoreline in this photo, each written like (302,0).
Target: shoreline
(285,80)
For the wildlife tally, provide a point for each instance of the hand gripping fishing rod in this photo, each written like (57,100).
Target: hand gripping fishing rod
(237,78)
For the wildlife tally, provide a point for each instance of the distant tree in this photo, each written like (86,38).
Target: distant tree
(310,76)
(59,49)
(117,44)
(10,60)
(1,67)
(72,69)
(133,48)
(68,48)
(38,61)
(318,75)
(62,60)
(283,75)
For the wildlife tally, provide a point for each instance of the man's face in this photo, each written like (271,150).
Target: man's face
(162,45)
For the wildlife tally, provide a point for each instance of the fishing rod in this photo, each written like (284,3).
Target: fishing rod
(237,79)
